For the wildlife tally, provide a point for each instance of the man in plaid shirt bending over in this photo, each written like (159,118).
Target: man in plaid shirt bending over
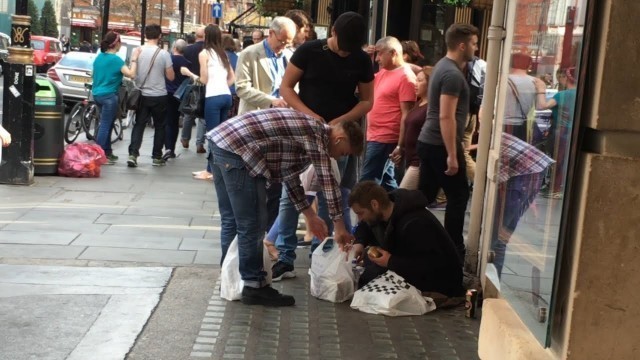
(262,147)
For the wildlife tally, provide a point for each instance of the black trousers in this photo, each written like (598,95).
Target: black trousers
(433,164)
(172,121)
(155,106)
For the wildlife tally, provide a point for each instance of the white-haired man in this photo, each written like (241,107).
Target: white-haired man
(394,94)
(259,74)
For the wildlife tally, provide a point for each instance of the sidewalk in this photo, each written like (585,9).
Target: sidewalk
(56,235)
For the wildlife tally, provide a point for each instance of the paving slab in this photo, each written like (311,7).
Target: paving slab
(75,312)
(142,221)
(182,231)
(45,327)
(199,244)
(138,242)
(40,251)
(139,255)
(34,237)
(208,257)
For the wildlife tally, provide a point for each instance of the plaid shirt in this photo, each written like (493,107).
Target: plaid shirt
(518,157)
(279,144)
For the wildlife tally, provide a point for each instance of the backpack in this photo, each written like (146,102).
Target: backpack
(476,84)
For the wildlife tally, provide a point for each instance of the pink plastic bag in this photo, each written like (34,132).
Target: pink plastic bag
(82,160)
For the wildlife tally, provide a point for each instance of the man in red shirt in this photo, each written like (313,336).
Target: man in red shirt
(394,95)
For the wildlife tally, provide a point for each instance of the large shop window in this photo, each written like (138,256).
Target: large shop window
(537,126)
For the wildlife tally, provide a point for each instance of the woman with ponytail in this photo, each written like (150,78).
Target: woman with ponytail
(216,73)
(108,69)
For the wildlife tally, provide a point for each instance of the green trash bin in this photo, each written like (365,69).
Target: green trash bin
(48,137)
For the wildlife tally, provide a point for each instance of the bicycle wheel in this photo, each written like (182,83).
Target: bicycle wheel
(73,126)
(90,118)
(118,132)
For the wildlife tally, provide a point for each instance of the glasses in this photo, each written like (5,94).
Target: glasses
(283,43)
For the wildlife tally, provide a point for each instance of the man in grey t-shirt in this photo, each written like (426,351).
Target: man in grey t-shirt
(440,149)
(150,79)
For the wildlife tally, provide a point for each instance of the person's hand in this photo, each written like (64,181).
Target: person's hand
(383,260)
(341,236)
(279,103)
(358,250)
(541,87)
(317,226)
(5,137)
(452,166)
(185,71)
(370,50)
(396,156)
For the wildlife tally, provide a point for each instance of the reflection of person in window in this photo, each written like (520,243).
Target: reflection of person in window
(521,96)
(562,107)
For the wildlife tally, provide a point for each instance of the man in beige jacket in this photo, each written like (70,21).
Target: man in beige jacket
(261,67)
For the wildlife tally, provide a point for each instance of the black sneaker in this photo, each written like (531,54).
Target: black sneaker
(281,270)
(132,161)
(266,296)
(169,154)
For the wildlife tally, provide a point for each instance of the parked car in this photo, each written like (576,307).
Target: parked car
(71,73)
(5,41)
(47,51)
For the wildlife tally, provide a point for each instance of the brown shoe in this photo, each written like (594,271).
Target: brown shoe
(200,149)
(185,143)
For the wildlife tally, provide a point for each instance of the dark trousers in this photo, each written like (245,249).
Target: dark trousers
(433,164)
(172,123)
(155,106)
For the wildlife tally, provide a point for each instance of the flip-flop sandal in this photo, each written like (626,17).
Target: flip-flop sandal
(204,176)
(271,248)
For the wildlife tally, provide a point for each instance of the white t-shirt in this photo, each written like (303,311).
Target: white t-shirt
(217,76)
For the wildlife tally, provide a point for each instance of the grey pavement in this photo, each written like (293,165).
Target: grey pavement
(66,245)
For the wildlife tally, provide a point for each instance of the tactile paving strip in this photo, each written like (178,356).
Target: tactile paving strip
(316,329)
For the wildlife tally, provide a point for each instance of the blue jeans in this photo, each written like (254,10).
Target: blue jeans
(187,124)
(216,110)
(377,165)
(108,111)
(242,202)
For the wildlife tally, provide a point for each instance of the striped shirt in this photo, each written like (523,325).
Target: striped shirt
(279,144)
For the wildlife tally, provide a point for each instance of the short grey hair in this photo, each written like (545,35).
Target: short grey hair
(179,46)
(390,43)
(280,23)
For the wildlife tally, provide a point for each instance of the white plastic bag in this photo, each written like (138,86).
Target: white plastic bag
(389,294)
(231,283)
(309,179)
(332,277)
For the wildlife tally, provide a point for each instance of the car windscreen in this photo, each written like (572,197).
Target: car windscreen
(37,45)
(78,62)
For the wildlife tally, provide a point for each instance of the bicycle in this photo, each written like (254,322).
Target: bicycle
(85,116)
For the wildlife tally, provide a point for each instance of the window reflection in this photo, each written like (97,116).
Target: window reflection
(537,124)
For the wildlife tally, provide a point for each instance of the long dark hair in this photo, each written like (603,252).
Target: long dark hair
(110,41)
(213,41)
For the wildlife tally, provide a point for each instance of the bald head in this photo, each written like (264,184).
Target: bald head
(200,33)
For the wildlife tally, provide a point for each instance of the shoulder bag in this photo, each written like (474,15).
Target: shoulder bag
(135,95)
(534,135)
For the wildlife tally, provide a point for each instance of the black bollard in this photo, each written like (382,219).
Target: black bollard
(17,167)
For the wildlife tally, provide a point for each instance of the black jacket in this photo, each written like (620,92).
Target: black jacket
(421,250)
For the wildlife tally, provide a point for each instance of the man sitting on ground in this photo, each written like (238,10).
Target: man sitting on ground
(411,240)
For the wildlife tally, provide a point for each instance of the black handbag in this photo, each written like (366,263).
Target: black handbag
(193,100)
(135,95)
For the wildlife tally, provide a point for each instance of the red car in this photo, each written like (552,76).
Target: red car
(47,51)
